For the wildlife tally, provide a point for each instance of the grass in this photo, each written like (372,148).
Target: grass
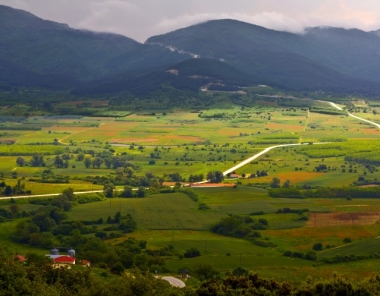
(6,229)
(162,211)
(199,145)
(304,238)
(267,262)
(184,132)
(360,248)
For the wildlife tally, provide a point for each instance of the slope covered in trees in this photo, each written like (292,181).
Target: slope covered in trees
(46,54)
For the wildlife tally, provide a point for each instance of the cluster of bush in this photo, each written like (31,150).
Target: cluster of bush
(308,256)
(18,189)
(300,212)
(326,192)
(350,258)
(243,227)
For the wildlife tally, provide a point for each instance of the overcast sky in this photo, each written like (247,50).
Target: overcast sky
(140,19)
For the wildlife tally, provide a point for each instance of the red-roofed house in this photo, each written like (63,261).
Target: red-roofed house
(234,176)
(64,260)
(20,258)
(86,263)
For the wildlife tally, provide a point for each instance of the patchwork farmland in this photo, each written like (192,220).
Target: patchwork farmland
(163,151)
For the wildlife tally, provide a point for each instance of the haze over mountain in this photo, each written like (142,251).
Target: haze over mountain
(47,54)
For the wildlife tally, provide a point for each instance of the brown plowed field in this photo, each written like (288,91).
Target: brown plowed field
(340,219)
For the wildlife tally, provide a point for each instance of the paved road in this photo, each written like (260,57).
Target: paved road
(47,195)
(247,161)
(352,115)
(174,281)
(56,194)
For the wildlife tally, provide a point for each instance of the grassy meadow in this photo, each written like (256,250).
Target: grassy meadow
(196,142)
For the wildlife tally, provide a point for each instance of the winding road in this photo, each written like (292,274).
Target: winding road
(247,161)
(352,115)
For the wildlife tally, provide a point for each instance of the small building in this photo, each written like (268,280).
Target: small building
(20,258)
(64,260)
(234,176)
(85,263)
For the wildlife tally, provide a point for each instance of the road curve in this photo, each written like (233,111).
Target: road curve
(174,281)
(248,160)
(365,120)
(352,115)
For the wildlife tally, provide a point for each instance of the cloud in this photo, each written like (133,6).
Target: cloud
(20,4)
(140,19)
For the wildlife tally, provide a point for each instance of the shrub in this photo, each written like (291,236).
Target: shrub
(317,247)
(347,240)
(192,253)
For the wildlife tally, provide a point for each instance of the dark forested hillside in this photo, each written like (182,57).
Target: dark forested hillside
(188,75)
(39,53)
(12,75)
(331,59)
(52,48)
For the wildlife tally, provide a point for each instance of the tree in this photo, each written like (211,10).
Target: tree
(101,234)
(97,162)
(117,268)
(205,271)
(240,271)
(69,192)
(108,162)
(87,162)
(62,202)
(37,160)
(141,191)
(275,183)
(317,247)
(20,161)
(117,217)
(8,190)
(129,172)
(191,253)
(286,184)
(58,162)
(127,192)
(215,176)
(108,189)
(263,221)
(175,177)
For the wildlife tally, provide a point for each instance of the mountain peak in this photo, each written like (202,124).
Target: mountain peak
(16,18)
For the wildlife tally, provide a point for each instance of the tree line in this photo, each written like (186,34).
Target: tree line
(39,277)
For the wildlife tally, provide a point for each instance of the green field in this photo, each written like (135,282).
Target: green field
(169,211)
(157,145)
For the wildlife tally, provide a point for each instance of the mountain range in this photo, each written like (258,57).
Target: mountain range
(229,53)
